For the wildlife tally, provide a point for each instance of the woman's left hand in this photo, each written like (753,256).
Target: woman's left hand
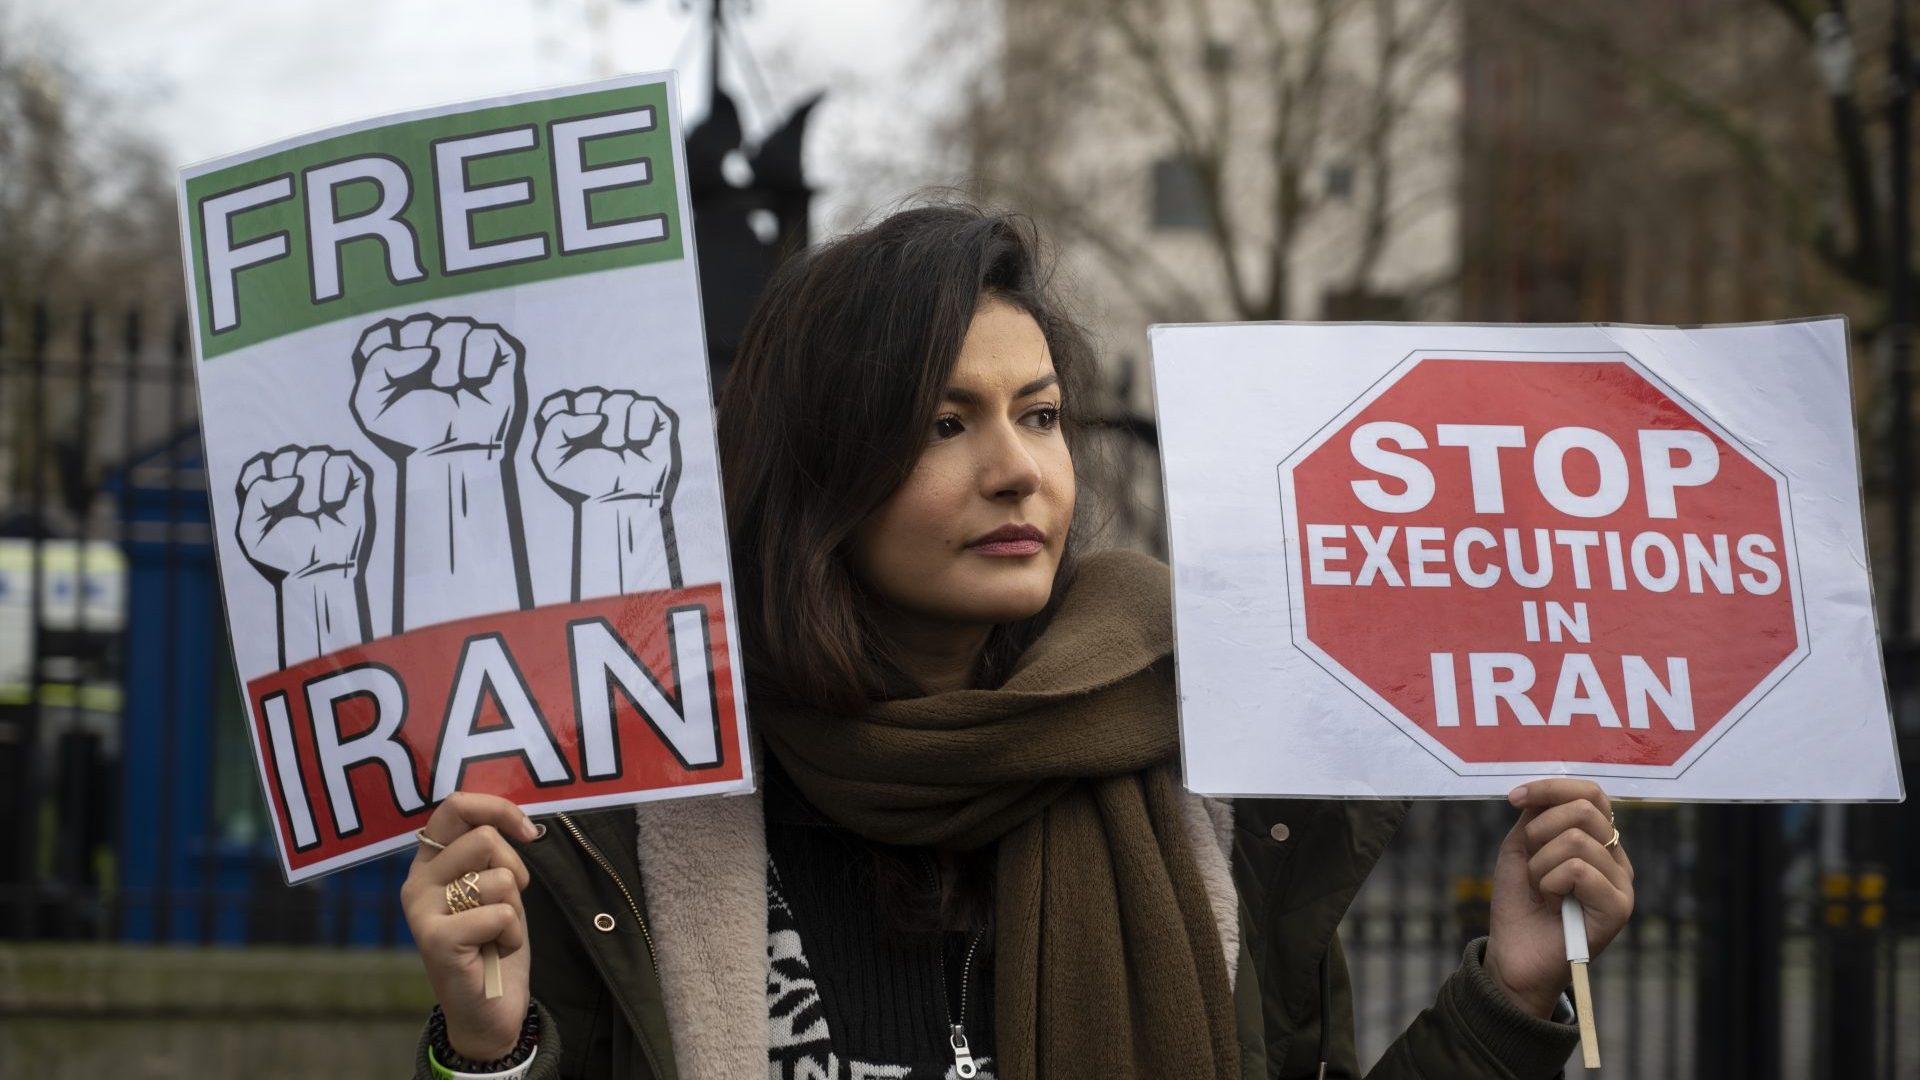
(1557,847)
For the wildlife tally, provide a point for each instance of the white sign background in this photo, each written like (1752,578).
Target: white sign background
(1259,717)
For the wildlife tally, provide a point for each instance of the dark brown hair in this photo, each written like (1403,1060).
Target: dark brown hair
(833,391)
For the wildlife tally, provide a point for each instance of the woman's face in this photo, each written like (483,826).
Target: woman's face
(973,536)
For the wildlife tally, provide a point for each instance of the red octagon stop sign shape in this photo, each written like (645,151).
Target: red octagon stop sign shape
(1525,560)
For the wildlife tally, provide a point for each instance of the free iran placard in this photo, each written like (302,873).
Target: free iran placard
(1429,560)
(460,454)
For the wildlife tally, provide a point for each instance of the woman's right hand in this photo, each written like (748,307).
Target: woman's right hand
(473,827)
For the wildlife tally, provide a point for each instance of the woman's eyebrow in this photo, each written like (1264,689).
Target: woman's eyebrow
(1038,384)
(967,397)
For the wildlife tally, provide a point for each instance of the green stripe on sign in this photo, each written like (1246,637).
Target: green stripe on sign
(425,209)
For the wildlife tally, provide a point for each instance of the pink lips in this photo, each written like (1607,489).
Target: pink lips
(1010,540)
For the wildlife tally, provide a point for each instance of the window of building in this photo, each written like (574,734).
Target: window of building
(1339,180)
(1179,198)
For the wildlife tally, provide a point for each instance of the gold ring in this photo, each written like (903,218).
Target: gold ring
(1613,841)
(464,895)
(428,840)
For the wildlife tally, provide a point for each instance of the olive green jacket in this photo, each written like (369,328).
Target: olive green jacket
(614,1004)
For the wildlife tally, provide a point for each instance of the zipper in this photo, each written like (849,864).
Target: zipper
(632,905)
(963,1063)
(957,1037)
(646,1048)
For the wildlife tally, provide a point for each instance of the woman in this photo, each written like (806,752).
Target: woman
(972,854)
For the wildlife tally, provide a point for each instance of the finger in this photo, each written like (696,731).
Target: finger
(578,427)
(1541,794)
(285,460)
(555,404)
(449,341)
(1586,883)
(463,810)
(254,469)
(270,493)
(1554,820)
(494,885)
(588,400)
(417,332)
(505,376)
(395,365)
(378,336)
(647,420)
(497,924)
(336,480)
(427,898)
(484,351)
(479,848)
(1514,848)
(1569,846)
(615,407)
(309,468)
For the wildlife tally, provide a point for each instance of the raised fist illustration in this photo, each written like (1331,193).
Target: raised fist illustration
(306,522)
(446,399)
(305,511)
(435,385)
(607,446)
(615,456)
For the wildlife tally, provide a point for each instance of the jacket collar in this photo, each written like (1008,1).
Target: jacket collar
(703,863)
(697,867)
(703,867)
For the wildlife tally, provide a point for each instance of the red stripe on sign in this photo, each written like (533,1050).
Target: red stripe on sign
(606,697)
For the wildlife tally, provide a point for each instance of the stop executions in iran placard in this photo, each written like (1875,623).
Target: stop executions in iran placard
(1434,560)
(461,460)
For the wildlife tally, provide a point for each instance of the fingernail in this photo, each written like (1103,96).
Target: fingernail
(1518,795)
(527,828)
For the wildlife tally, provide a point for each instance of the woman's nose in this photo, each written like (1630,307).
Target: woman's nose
(1011,471)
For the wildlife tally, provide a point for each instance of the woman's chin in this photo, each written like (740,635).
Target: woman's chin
(997,602)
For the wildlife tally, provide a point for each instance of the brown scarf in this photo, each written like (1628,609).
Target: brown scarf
(1108,960)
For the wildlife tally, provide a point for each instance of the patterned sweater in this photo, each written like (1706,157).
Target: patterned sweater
(849,998)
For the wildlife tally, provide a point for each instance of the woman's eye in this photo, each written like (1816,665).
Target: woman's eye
(1046,418)
(946,427)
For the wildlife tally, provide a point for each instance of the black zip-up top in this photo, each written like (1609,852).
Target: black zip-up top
(844,980)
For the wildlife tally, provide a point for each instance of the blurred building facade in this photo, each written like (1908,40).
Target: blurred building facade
(1666,166)
(1516,161)
(1226,161)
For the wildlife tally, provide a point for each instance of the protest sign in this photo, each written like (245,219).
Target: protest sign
(460,451)
(1429,560)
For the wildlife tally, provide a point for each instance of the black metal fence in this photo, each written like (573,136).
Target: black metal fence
(124,755)
(134,814)
(1839,960)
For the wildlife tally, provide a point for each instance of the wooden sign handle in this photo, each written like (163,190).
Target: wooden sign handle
(490,969)
(1573,927)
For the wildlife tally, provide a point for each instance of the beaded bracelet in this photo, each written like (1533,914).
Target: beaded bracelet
(444,1053)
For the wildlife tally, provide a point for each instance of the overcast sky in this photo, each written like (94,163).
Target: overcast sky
(211,77)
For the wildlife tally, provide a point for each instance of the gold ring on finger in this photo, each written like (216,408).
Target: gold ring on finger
(464,894)
(470,888)
(1612,841)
